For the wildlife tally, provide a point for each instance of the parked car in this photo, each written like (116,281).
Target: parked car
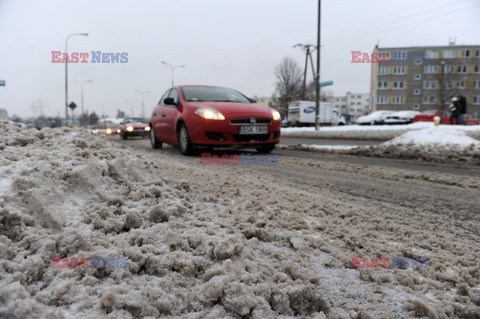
(377,117)
(428,116)
(401,117)
(134,126)
(207,116)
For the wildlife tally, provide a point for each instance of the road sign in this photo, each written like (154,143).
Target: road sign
(2,82)
(72,106)
(326,83)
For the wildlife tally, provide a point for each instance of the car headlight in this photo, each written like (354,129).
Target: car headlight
(118,131)
(108,131)
(276,115)
(94,131)
(129,128)
(210,114)
(147,128)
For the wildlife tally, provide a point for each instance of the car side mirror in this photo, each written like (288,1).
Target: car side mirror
(169,101)
(253,101)
(121,123)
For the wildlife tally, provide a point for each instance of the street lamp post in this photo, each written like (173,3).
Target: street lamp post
(131,103)
(66,72)
(83,114)
(142,93)
(173,70)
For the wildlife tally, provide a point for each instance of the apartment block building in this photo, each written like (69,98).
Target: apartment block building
(355,104)
(425,78)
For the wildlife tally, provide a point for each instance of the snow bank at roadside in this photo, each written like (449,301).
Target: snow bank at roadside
(69,194)
(433,144)
(374,132)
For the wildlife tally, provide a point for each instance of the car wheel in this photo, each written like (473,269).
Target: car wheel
(373,123)
(265,149)
(153,140)
(184,142)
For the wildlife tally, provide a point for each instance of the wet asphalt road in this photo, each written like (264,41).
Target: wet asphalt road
(414,166)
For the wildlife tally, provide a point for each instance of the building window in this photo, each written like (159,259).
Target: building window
(430,84)
(477,68)
(449,54)
(430,69)
(384,56)
(465,53)
(399,70)
(432,54)
(476,84)
(448,69)
(417,92)
(418,76)
(448,85)
(398,85)
(381,100)
(359,103)
(461,84)
(399,55)
(429,100)
(462,69)
(477,53)
(359,96)
(383,70)
(352,103)
(398,100)
(383,85)
(476,100)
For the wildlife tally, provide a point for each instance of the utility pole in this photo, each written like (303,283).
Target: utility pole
(173,70)
(308,48)
(317,76)
(142,93)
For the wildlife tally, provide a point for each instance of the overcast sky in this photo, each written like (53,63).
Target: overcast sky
(233,43)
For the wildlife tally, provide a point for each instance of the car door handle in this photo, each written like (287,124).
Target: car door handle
(163,115)
(154,114)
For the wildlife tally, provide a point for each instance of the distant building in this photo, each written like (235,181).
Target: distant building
(266,101)
(355,104)
(424,78)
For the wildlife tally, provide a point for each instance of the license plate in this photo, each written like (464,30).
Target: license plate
(255,129)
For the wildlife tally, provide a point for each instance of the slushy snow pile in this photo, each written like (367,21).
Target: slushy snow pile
(73,195)
(443,144)
(373,132)
(224,242)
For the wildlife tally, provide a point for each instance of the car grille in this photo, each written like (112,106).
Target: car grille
(247,121)
(249,138)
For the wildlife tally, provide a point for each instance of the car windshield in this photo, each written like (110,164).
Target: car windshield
(213,94)
(131,120)
(430,112)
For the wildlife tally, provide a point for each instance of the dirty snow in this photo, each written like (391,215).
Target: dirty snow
(226,242)
(443,144)
(374,132)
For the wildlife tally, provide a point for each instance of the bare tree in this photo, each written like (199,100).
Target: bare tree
(289,82)
(120,114)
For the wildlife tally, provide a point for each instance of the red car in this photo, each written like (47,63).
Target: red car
(134,126)
(206,116)
(427,116)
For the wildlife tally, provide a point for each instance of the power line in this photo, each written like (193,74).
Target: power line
(401,25)
(379,26)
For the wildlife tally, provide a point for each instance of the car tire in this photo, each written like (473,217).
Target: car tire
(123,135)
(184,142)
(156,144)
(265,149)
